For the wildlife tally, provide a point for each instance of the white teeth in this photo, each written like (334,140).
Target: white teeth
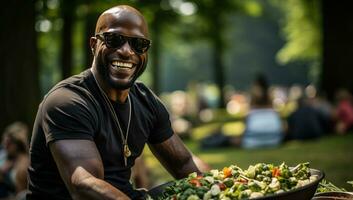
(122,64)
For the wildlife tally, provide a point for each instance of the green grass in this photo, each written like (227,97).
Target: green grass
(331,154)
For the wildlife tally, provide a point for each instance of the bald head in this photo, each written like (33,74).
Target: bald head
(120,18)
(125,39)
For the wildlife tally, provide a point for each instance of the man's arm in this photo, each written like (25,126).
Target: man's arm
(176,158)
(81,168)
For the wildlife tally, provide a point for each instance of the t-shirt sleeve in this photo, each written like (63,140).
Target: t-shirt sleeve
(67,115)
(162,129)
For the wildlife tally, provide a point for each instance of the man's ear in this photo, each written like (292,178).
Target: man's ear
(92,44)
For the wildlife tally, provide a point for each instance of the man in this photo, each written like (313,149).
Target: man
(91,127)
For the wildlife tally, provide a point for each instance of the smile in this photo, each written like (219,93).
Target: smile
(118,64)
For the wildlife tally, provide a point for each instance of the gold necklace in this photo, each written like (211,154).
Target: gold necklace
(126,149)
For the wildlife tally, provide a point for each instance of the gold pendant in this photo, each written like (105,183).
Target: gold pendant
(127,152)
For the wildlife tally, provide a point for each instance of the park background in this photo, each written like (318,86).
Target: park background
(216,45)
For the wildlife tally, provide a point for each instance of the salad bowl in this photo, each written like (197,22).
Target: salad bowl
(305,192)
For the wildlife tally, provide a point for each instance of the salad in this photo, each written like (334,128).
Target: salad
(235,183)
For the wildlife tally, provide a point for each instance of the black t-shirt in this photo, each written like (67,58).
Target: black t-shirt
(75,109)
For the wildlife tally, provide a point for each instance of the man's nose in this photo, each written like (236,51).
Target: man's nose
(125,49)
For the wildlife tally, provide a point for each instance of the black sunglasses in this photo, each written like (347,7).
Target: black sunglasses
(115,40)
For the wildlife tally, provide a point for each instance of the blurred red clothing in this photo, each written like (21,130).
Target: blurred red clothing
(345,114)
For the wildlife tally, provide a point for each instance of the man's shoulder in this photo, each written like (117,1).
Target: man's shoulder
(78,80)
(69,91)
(145,95)
(76,84)
(138,85)
(140,89)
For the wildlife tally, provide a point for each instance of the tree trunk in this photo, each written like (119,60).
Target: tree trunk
(337,47)
(218,69)
(90,26)
(19,86)
(67,13)
(218,66)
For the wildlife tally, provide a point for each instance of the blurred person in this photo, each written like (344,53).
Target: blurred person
(91,127)
(263,128)
(259,95)
(325,109)
(14,161)
(295,92)
(182,127)
(343,113)
(194,99)
(305,122)
(178,112)
(263,125)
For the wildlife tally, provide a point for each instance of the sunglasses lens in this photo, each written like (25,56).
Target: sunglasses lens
(140,45)
(114,40)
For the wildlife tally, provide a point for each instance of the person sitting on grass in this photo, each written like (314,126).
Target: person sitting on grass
(263,125)
(14,161)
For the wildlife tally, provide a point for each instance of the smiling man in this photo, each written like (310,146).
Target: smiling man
(91,127)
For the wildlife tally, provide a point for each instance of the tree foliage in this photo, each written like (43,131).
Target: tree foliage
(211,24)
(301,28)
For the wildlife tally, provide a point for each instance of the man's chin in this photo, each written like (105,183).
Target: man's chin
(120,85)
